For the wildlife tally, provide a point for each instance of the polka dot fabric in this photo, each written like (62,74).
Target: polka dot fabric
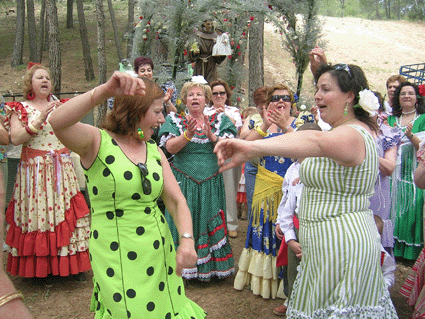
(130,244)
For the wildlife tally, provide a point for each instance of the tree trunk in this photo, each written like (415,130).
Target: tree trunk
(130,22)
(88,64)
(54,45)
(32,32)
(114,26)
(101,54)
(256,56)
(40,42)
(69,14)
(18,47)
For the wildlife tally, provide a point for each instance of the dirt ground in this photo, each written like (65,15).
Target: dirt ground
(380,47)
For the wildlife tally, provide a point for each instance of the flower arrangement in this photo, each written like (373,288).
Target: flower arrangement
(368,102)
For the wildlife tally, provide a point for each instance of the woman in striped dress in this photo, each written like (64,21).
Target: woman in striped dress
(339,274)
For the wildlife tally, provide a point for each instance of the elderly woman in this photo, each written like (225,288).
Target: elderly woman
(221,95)
(262,245)
(192,139)
(48,216)
(135,266)
(407,199)
(339,274)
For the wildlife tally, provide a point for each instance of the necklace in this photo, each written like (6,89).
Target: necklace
(405,113)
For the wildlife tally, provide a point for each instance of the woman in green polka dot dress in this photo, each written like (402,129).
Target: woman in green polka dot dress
(136,268)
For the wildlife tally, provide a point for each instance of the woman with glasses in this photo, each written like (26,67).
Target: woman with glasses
(262,245)
(192,139)
(407,199)
(135,265)
(220,102)
(339,273)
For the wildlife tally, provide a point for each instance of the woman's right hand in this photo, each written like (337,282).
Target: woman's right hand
(122,84)
(191,127)
(295,247)
(186,256)
(317,58)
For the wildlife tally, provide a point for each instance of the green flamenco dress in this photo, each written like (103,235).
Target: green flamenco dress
(196,170)
(407,201)
(131,249)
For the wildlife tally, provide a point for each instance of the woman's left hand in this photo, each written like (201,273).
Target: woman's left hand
(408,131)
(186,255)
(168,95)
(206,128)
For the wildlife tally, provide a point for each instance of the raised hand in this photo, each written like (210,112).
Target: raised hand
(317,58)
(191,126)
(121,84)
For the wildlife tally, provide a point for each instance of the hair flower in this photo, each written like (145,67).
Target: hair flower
(421,89)
(368,102)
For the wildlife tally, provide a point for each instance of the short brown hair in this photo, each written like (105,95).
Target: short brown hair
(28,78)
(226,88)
(142,60)
(396,78)
(260,96)
(190,85)
(127,111)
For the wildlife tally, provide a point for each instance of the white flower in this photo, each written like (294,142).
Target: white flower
(199,79)
(369,102)
(303,107)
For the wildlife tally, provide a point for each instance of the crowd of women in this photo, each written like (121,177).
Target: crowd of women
(347,193)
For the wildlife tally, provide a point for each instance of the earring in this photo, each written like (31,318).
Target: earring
(140,133)
(345,110)
(186,111)
(31,95)
(48,98)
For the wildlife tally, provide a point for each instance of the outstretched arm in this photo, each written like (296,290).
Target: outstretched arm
(82,138)
(344,145)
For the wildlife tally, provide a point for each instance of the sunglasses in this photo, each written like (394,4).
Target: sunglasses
(146,184)
(276,98)
(343,67)
(219,93)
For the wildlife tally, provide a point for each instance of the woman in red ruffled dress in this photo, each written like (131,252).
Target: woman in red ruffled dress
(48,218)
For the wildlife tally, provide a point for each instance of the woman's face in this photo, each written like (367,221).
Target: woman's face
(145,71)
(195,100)
(330,100)
(281,100)
(152,119)
(407,97)
(41,84)
(219,96)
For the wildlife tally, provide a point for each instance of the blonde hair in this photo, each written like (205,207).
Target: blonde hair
(27,87)
(249,111)
(190,85)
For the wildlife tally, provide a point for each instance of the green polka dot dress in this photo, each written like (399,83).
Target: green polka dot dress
(131,248)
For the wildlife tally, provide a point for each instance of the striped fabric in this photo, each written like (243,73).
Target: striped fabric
(339,274)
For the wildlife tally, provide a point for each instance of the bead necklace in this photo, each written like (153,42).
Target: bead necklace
(405,113)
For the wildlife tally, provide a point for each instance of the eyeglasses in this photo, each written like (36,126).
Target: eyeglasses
(219,93)
(146,184)
(343,67)
(276,98)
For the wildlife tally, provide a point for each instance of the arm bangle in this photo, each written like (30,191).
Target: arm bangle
(186,235)
(32,128)
(9,297)
(260,131)
(185,136)
(29,130)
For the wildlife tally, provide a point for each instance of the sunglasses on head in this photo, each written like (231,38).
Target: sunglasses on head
(343,67)
(276,98)
(146,184)
(219,93)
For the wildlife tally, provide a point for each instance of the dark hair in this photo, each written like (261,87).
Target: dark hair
(309,126)
(226,88)
(380,99)
(127,111)
(141,60)
(420,103)
(349,78)
(260,95)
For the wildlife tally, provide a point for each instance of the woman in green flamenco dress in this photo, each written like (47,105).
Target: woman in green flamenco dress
(136,268)
(407,200)
(192,139)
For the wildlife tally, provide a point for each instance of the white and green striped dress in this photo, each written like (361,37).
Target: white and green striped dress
(339,274)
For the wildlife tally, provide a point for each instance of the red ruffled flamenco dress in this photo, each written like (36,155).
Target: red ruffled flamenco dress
(48,218)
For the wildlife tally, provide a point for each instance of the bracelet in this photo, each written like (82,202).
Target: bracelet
(185,136)
(91,95)
(260,131)
(186,235)
(9,297)
(32,128)
(29,130)
(409,136)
